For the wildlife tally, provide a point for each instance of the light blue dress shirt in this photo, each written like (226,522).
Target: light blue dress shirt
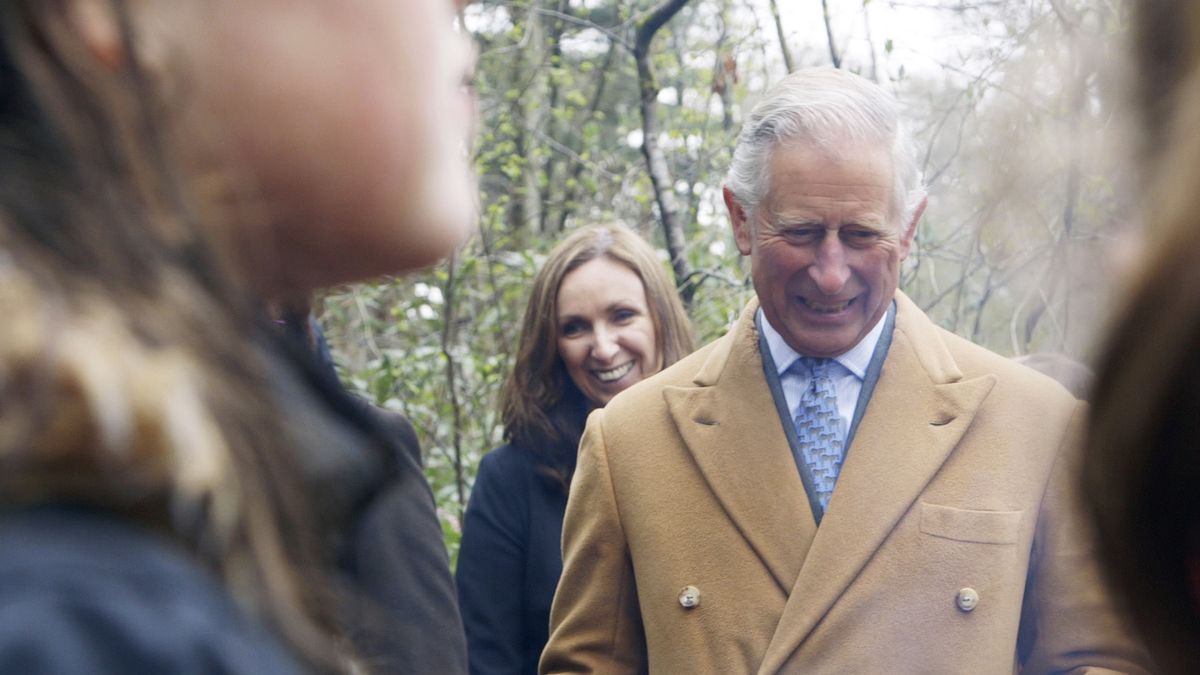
(847,378)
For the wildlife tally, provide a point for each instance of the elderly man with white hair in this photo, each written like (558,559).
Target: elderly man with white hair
(836,485)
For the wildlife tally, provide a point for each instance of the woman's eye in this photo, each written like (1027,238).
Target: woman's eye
(623,315)
(571,328)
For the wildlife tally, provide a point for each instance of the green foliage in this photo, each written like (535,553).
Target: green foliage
(996,260)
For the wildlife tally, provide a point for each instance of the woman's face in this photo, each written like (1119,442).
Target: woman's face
(606,337)
(349,117)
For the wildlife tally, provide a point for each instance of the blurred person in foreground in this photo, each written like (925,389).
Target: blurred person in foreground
(602,315)
(1071,374)
(294,318)
(180,491)
(716,523)
(1141,476)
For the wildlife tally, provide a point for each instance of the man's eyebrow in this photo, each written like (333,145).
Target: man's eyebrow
(792,218)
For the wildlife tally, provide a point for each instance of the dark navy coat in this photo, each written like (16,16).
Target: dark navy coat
(81,592)
(509,562)
(365,473)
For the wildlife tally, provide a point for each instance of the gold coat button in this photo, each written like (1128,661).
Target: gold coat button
(689,597)
(967,599)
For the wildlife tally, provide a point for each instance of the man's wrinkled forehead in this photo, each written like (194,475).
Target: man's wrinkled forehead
(837,152)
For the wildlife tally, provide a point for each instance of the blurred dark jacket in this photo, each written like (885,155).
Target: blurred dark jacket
(372,499)
(82,592)
(510,562)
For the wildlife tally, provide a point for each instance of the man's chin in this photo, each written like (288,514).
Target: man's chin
(822,341)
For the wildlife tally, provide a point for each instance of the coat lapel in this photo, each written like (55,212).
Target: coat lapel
(920,409)
(729,425)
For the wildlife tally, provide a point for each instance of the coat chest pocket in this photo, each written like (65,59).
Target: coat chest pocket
(980,527)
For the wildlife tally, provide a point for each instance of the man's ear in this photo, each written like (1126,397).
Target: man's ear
(742,228)
(98,29)
(910,228)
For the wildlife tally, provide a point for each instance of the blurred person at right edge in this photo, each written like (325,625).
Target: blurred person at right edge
(1141,477)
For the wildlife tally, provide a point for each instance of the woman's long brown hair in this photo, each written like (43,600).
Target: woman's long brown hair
(542,409)
(1141,475)
(135,373)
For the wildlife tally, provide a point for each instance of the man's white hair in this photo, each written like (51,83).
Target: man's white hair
(828,109)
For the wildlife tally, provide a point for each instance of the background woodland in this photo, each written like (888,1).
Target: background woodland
(626,110)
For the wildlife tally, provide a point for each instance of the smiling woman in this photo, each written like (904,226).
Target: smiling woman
(606,336)
(602,316)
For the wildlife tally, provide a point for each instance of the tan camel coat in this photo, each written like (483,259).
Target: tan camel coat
(958,483)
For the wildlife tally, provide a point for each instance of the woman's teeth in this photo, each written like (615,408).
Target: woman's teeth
(615,373)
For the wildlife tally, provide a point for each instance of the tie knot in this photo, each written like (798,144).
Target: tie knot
(817,367)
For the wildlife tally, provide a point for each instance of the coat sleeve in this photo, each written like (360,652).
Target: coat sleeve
(595,621)
(397,560)
(1068,622)
(491,566)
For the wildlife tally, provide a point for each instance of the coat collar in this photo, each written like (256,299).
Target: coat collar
(728,423)
(920,409)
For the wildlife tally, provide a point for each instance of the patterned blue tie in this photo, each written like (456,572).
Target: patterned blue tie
(819,427)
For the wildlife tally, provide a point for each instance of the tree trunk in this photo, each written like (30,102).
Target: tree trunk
(552,207)
(725,74)
(833,52)
(530,112)
(656,162)
(783,45)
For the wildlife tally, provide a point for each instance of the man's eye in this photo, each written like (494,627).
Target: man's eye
(856,236)
(804,235)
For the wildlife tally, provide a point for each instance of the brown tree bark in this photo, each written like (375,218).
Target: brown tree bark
(529,111)
(656,162)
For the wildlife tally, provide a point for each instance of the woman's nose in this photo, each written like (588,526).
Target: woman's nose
(605,347)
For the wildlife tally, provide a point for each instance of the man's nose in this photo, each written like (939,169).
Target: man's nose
(830,270)
(605,346)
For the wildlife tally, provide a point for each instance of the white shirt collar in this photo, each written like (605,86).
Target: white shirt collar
(856,359)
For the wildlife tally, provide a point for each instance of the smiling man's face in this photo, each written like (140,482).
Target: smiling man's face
(825,245)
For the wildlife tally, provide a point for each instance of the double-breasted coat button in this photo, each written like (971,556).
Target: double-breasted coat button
(967,599)
(689,597)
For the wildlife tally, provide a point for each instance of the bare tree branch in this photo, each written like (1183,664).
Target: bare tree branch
(571,18)
(783,45)
(656,162)
(833,52)
(452,385)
